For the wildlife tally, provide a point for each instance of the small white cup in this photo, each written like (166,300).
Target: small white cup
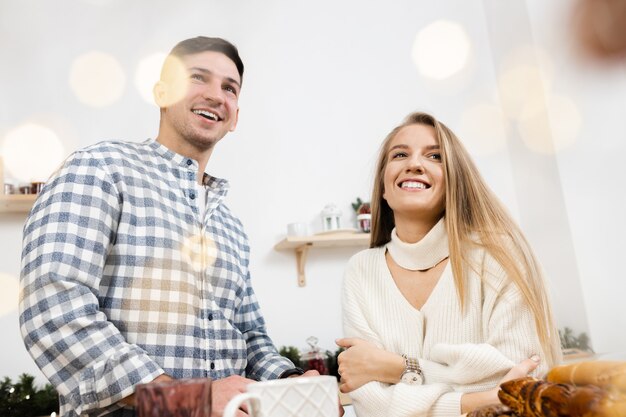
(297,229)
(315,396)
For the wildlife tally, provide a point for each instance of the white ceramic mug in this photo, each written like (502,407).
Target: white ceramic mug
(314,396)
(297,229)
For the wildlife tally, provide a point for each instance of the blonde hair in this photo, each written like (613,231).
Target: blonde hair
(474,217)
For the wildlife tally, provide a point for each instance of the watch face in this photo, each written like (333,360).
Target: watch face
(412,378)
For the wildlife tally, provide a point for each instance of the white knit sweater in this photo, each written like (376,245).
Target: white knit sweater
(458,352)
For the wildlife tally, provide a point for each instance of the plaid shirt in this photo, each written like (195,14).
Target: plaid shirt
(122,280)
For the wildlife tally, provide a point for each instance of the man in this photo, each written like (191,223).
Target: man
(134,270)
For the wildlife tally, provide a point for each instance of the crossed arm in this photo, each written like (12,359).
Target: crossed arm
(363,362)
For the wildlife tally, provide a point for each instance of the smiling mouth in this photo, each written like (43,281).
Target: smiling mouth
(207,115)
(413,185)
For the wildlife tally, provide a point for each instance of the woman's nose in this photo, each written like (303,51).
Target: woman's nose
(414,164)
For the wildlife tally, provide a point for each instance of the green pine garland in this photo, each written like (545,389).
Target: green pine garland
(23,399)
(569,340)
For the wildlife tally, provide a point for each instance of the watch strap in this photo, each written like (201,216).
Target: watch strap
(411,364)
(412,370)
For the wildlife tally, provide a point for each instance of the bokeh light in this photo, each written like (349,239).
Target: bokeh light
(482,129)
(97,79)
(32,152)
(550,125)
(525,77)
(175,76)
(193,253)
(519,86)
(441,49)
(9,294)
(147,74)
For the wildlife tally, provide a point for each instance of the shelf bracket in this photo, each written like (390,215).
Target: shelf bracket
(301,254)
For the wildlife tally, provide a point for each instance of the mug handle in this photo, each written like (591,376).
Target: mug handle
(254,404)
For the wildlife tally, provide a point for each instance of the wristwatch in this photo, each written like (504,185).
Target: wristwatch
(412,374)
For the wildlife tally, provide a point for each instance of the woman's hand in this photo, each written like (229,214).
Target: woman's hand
(474,400)
(363,362)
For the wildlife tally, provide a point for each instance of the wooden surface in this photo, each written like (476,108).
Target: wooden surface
(16,203)
(344,399)
(13,203)
(302,244)
(340,239)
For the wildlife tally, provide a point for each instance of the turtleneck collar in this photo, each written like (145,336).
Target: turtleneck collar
(422,255)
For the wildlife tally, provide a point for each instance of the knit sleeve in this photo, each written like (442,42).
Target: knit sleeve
(508,322)
(507,336)
(375,398)
(354,301)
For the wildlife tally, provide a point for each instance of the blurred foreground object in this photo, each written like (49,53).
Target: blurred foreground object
(600,28)
(583,389)
(610,375)
(530,397)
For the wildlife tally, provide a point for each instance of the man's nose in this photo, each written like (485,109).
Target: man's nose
(213,92)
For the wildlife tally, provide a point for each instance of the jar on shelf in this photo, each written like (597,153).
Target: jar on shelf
(364,218)
(314,357)
(36,187)
(331,218)
(25,189)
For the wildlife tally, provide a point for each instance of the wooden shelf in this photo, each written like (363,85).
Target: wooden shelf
(16,203)
(302,244)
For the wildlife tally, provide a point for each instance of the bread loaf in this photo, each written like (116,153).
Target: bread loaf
(610,375)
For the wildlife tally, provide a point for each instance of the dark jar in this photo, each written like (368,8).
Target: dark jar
(314,358)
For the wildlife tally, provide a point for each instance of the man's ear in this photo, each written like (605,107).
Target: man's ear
(159,91)
(232,128)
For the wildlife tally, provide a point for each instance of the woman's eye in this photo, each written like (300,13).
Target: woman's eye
(435,156)
(396,155)
(196,77)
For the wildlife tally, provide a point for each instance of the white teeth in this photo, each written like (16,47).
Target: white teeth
(413,184)
(207,114)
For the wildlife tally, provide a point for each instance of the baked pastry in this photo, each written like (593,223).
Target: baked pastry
(610,375)
(530,397)
(494,410)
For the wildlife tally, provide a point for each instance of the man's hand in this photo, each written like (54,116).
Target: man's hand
(363,362)
(311,372)
(130,400)
(223,390)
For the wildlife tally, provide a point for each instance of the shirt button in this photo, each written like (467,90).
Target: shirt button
(189,162)
(210,317)
(192,195)
(212,365)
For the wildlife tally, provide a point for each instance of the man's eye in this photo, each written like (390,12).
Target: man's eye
(197,77)
(230,89)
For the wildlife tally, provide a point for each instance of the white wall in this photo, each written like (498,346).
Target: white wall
(324,83)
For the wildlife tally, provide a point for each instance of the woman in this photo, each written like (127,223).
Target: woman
(449,301)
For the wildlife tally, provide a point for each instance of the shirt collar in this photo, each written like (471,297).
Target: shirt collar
(219,185)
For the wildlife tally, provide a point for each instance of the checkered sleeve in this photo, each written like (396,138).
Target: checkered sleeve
(264,361)
(66,241)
